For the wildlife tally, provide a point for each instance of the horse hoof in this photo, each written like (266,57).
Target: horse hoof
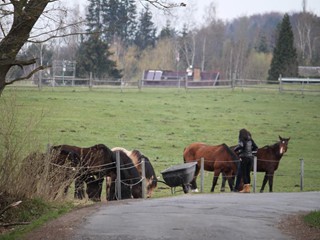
(195,190)
(222,190)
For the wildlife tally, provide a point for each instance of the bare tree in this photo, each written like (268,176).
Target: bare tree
(18,19)
(25,15)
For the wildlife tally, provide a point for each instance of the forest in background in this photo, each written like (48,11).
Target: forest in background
(239,49)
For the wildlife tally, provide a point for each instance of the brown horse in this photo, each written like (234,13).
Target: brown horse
(97,161)
(219,159)
(136,156)
(268,160)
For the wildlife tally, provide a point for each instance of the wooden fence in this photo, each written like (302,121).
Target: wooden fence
(282,84)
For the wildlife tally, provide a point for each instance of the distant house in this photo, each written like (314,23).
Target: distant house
(171,78)
(309,72)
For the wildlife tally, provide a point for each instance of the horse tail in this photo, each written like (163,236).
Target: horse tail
(184,160)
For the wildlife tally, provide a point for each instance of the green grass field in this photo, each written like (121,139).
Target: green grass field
(162,122)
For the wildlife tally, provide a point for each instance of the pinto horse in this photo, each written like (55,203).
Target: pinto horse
(97,161)
(268,160)
(137,157)
(219,159)
(131,184)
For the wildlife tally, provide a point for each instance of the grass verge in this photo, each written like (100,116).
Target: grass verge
(313,219)
(35,211)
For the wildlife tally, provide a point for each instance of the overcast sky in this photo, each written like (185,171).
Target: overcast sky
(230,9)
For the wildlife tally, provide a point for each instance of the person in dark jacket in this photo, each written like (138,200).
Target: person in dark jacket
(246,149)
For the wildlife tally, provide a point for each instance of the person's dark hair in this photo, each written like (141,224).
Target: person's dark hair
(244,135)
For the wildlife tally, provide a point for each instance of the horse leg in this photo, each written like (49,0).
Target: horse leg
(223,183)
(230,182)
(215,179)
(100,187)
(111,187)
(66,190)
(265,180)
(270,182)
(79,188)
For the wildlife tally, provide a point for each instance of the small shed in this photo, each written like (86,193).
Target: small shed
(309,71)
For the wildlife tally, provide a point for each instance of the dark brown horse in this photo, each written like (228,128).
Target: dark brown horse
(219,159)
(97,162)
(268,160)
(91,163)
(136,156)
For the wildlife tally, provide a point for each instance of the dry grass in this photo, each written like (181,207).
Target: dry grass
(34,176)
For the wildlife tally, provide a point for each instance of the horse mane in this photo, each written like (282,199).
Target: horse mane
(271,146)
(122,150)
(134,155)
(137,154)
(231,153)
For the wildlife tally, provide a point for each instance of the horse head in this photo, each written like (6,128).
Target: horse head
(63,154)
(283,144)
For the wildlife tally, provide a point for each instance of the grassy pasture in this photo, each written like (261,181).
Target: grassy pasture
(161,122)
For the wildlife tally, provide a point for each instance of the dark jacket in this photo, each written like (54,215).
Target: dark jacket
(246,148)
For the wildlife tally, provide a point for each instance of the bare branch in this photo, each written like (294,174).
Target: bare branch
(163,4)
(15,204)
(13,224)
(57,36)
(56,32)
(29,75)
(20,63)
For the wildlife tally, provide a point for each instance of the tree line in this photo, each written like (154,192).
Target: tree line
(120,41)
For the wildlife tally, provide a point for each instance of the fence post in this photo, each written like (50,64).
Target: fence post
(202,174)
(143,173)
(48,147)
(90,81)
(280,83)
(301,174)
(254,174)
(186,83)
(118,180)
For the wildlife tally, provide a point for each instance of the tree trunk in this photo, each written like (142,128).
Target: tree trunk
(25,15)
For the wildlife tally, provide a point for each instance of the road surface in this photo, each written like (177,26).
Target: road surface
(197,216)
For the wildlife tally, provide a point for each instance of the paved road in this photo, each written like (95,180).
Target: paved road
(197,216)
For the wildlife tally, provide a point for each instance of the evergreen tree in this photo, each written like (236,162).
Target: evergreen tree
(284,59)
(93,56)
(146,31)
(262,46)
(127,22)
(167,31)
(110,14)
(119,20)
(94,16)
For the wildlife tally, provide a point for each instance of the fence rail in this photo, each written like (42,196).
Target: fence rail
(299,84)
(282,84)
